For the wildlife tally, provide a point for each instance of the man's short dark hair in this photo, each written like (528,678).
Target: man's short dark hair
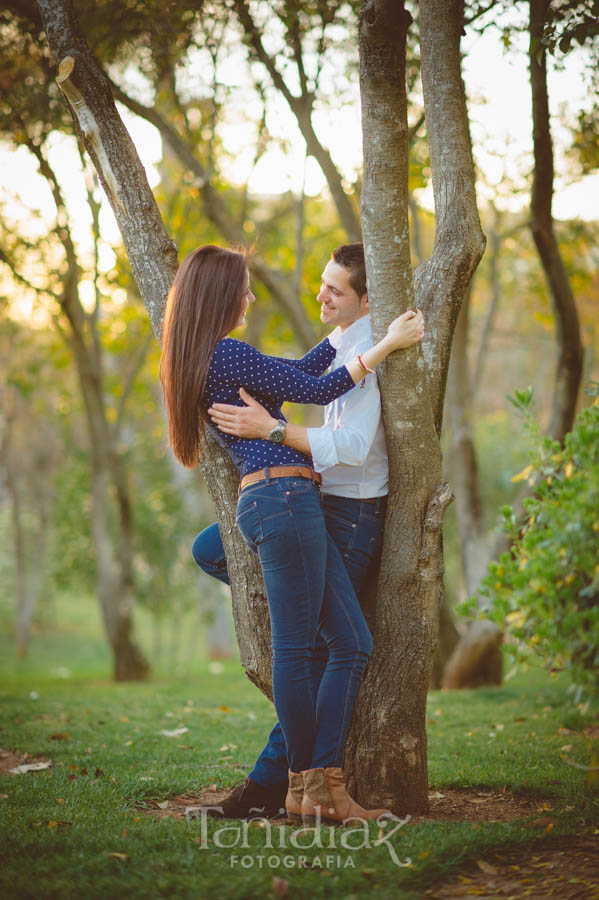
(351,256)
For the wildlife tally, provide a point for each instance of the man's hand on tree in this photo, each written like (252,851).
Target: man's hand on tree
(249,421)
(407,329)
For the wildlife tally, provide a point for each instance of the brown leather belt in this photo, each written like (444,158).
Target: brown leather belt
(372,500)
(281,472)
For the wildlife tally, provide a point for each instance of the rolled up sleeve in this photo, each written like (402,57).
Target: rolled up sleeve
(348,437)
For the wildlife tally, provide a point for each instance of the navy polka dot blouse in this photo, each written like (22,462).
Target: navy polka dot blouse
(271,380)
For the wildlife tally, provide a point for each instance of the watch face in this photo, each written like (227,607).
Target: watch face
(277,435)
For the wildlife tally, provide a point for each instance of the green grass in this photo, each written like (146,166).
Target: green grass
(489,738)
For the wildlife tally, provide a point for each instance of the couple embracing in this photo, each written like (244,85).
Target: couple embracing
(311,503)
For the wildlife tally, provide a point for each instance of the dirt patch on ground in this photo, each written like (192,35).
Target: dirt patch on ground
(450,805)
(468,805)
(565,872)
(9,759)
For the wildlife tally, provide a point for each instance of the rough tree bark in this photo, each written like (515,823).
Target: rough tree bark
(387,743)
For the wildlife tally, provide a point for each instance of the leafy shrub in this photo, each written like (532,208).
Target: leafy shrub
(545,591)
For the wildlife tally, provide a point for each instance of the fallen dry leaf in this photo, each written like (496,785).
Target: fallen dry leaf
(30,767)
(118,855)
(175,733)
(486,867)
(163,805)
(541,822)
(59,736)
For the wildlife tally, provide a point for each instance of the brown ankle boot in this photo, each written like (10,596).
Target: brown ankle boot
(295,795)
(326,798)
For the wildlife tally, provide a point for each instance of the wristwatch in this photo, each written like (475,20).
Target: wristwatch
(277,434)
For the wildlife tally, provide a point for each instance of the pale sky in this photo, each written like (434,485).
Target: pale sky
(497,84)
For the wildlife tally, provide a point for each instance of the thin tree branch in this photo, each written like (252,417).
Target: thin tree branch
(215,211)
(128,381)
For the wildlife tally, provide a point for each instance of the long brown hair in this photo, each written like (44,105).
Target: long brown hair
(204,304)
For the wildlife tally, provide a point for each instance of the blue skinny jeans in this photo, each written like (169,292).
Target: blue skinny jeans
(354,538)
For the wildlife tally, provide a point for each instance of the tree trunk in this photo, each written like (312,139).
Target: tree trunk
(153,259)
(114,569)
(29,568)
(569,362)
(477,660)
(410,583)
(395,775)
(446,643)
(475,657)
(569,365)
(250,610)
(26,590)
(462,464)
(151,252)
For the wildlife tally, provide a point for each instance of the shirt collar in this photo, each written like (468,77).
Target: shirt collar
(344,339)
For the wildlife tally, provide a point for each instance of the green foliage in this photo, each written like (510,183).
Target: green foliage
(545,591)
(570,23)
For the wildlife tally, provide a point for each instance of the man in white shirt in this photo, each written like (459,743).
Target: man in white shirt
(350,453)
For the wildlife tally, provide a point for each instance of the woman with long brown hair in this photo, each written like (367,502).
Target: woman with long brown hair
(279,511)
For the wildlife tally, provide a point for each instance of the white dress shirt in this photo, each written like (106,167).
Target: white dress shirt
(349,450)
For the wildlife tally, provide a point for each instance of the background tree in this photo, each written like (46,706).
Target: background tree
(474,659)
